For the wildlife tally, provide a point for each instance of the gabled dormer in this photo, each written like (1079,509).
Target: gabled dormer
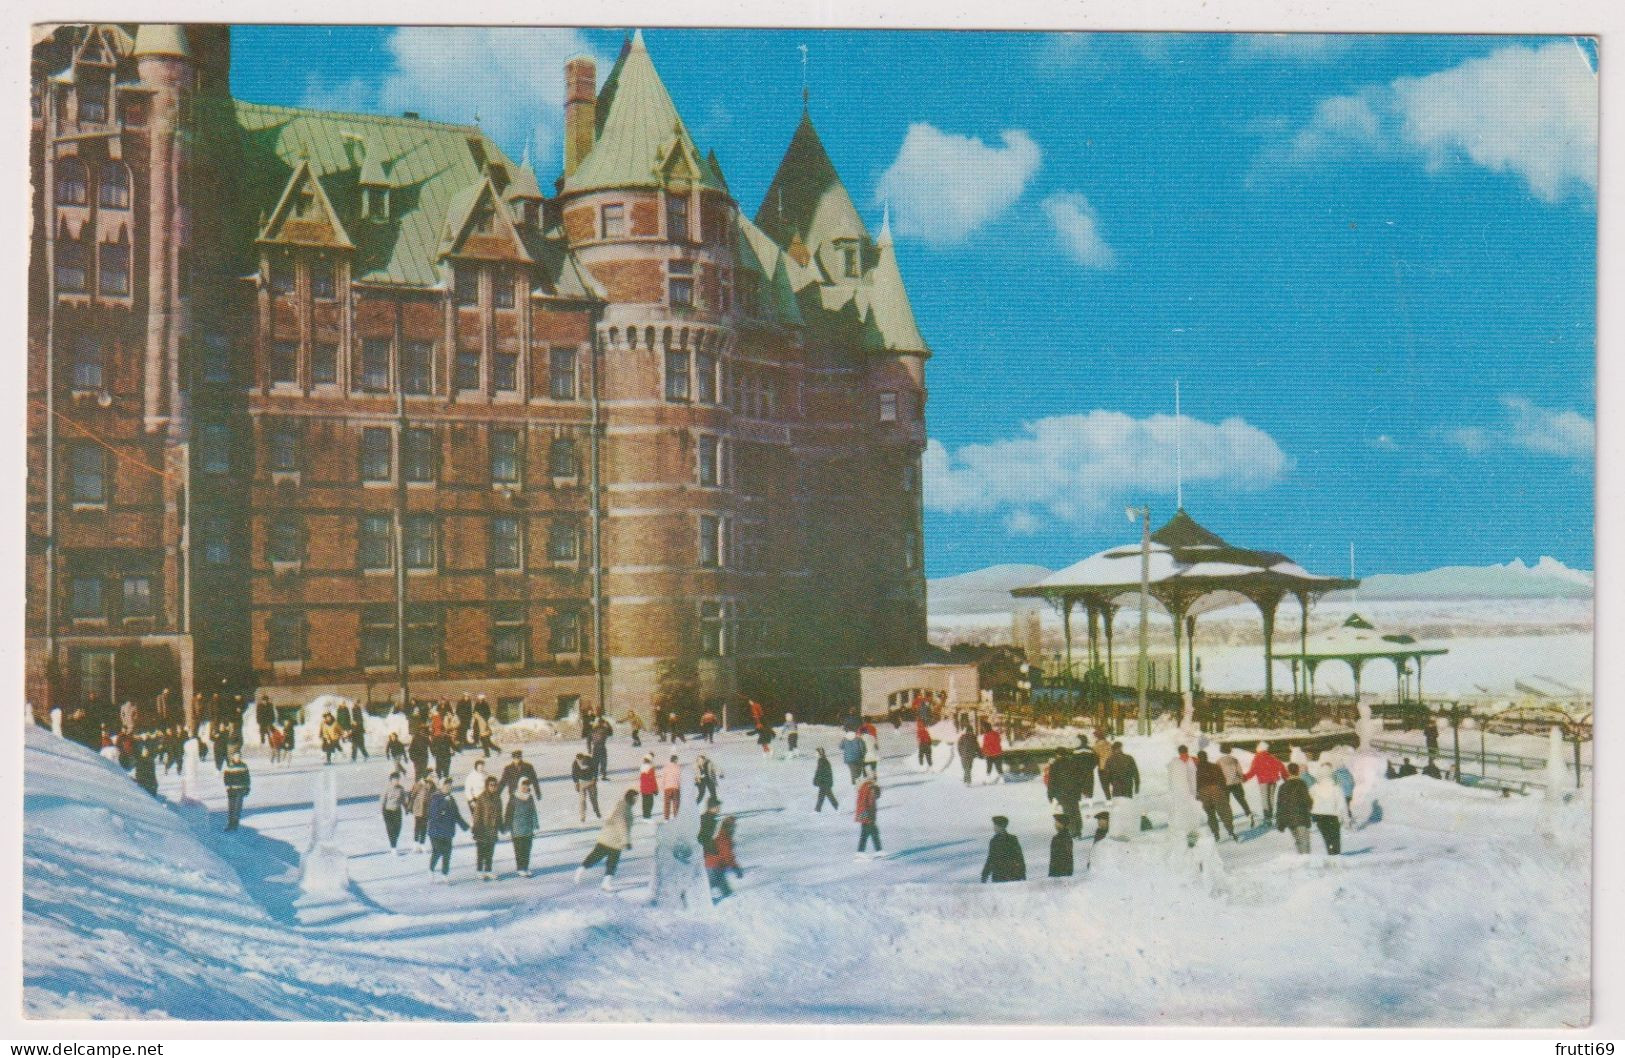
(374,181)
(304,215)
(478,227)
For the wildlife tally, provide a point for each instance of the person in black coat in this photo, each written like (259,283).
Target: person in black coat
(235,774)
(1292,808)
(518,768)
(417,751)
(824,781)
(1060,849)
(1004,860)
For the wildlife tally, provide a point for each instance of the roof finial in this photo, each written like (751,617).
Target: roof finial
(1179,463)
(805,94)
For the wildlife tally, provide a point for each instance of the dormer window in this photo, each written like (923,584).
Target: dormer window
(485,220)
(849,258)
(375,203)
(304,203)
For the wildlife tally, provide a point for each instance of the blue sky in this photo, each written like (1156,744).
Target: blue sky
(1370,261)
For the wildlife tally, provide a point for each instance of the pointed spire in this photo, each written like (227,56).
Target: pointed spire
(884,238)
(807,196)
(887,300)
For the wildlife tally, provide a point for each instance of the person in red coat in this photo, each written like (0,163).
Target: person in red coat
(719,858)
(922,736)
(992,750)
(1267,770)
(648,784)
(868,814)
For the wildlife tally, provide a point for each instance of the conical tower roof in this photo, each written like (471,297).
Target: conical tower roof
(887,300)
(642,141)
(807,197)
(161,38)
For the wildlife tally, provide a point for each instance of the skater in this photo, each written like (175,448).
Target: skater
(358,735)
(992,751)
(331,734)
(675,729)
(1232,782)
(671,788)
(1292,809)
(871,751)
(474,783)
(220,735)
(235,775)
(392,804)
(922,739)
(585,776)
(1066,791)
(417,751)
(1266,770)
(418,801)
(1328,806)
(479,735)
(764,739)
(485,819)
(1060,848)
(395,751)
(1004,860)
(518,769)
(445,819)
(969,749)
(598,742)
(1215,798)
(1123,779)
(791,734)
(719,859)
(648,784)
(635,722)
(824,782)
(710,816)
(265,718)
(146,765)
(868,814)
(705,779)
(465,717)
(852,753)
(519,819)
(614,838)
(755,713)
(708,726)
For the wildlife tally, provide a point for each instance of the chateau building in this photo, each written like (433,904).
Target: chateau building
(348,403)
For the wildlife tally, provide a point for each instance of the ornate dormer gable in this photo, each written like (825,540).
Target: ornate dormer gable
(304,215)
(374,180)
(678,163)
(97,49)
(478,227)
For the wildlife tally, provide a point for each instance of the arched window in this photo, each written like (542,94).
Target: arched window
(113,192)
(70,182)
(561,458)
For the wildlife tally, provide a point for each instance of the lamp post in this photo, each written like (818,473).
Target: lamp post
(1143,516)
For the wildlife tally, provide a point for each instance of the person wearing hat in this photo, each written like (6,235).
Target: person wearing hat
(1103,826)
(1267,770)
(1060,848)
(1005,862)
(518,768)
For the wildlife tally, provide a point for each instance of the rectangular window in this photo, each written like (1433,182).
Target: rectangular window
(506,549)
(418,452)
(417,368)
(216,358)
(708,453)
(502,288)
(613,224)
(284,361)
(92,104)
(375,365)
(137,599)
(466,286)
(70,266)
(85,598)
(423,635)
(561,458)
(282,447)
(87,363)
(216,533)
(564,633)
(562,541)
(468,371)
(506,465)
(285,636)
(505,372)
(375,542)
(705,378)
(321,280)
(281,277)
(681,280)
(677,382)
(711,629)
(72,182)
(115,269)
(377,636)
(214,448)
(324,364)
(509,633)
(710,541)
(888,407)
(377,462)
(113,190)
(561,373)
(677,218)
(418,541)
(285,540)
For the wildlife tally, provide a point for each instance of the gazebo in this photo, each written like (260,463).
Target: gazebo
(1193,571)
(1356,641)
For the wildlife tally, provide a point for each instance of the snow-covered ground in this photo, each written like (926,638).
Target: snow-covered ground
(1458,908)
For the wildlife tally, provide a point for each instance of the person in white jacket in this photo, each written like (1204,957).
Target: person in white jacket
(1328,807)
(474,783)
(614,838)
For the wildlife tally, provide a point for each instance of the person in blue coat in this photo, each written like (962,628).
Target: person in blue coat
(445,819)
(852,751)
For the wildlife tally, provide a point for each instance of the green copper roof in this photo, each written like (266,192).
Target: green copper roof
(161,38)
(807,197)
(887,301)
(641,141)
(434,171)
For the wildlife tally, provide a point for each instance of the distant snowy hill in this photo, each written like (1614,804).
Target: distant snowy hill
(987,591)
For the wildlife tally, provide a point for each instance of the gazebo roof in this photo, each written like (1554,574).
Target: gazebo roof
(1188,561)
(1357,639)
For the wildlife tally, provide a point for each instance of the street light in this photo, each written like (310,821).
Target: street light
(1143,516)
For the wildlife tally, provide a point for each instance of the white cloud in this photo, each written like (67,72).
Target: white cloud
(1528,111)
(1294,47)
(943,186)
(1564,434)
(511,78)
(1078,469)
(1077,226)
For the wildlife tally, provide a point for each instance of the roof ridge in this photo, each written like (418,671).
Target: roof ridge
(381,119)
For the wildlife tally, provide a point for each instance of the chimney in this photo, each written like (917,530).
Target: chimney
(580,110)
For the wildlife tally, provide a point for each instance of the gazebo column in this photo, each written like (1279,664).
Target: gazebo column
(1266,610)
(1094,636)
(1355,665)
(1190,651)
(1399,678)
(1176,610)
(1110,615)
(1066,632)
(1419,679)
